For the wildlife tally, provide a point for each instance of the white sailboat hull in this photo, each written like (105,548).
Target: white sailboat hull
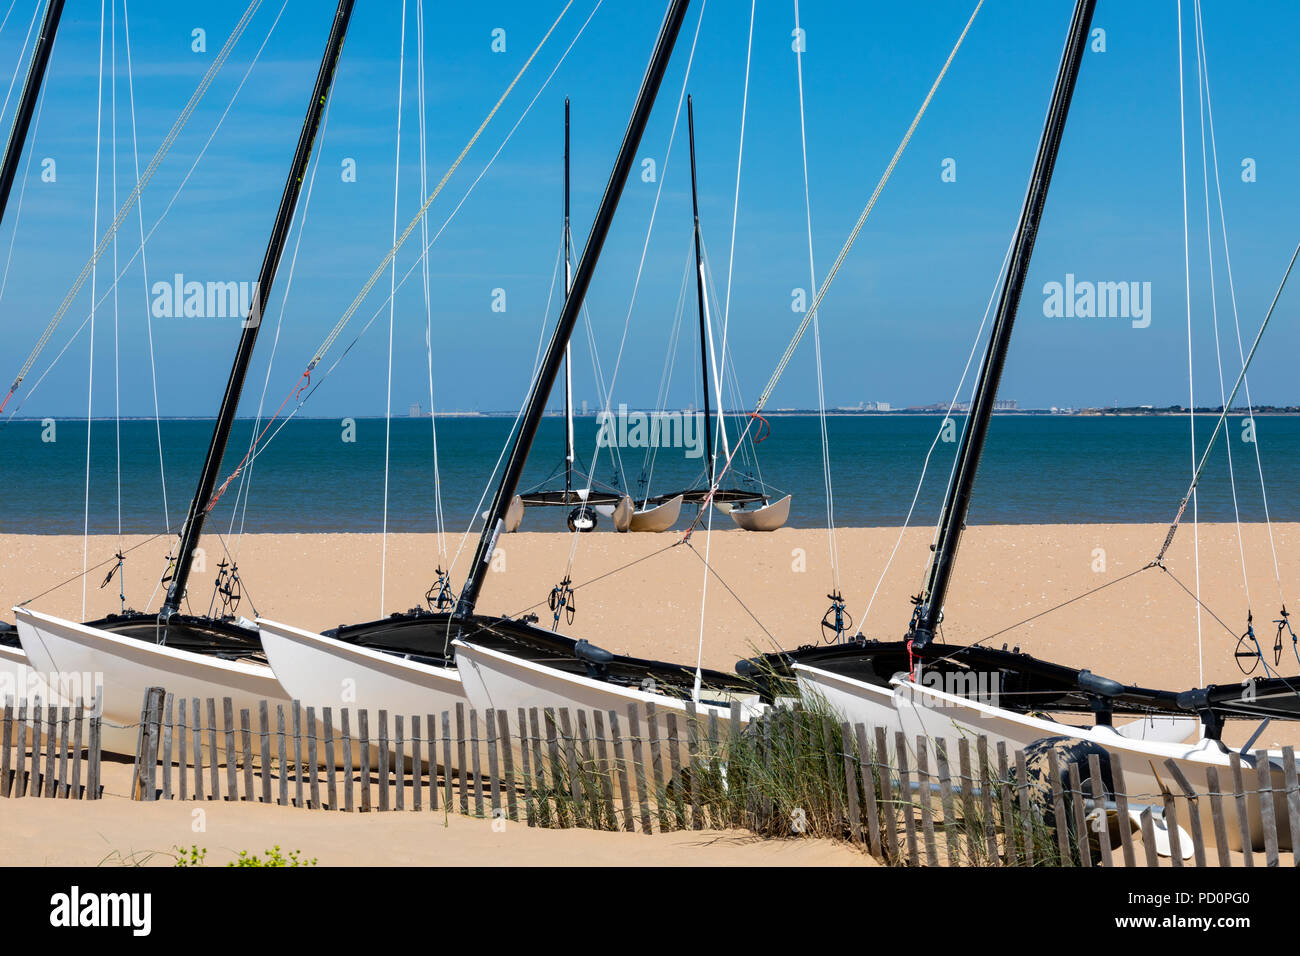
(322,672)
(126,667)
(941,716)
(767,518)
(853,700)
(496,680)
(661,517)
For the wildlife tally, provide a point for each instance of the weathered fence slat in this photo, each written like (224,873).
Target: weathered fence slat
(313,777)
(232,782)
(1121,805)
(264,746)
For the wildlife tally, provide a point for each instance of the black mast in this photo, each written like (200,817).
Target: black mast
(573,303)
(699,296)
(266,277)
(568,355)
(930,603)
(27,104)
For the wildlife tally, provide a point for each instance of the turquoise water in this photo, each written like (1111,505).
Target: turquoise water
(1034,470)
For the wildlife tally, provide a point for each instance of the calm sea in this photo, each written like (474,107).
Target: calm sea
(1035,469)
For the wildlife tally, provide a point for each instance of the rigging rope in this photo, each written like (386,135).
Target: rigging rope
(1236,321)
(152,168)
(392,253)
(90,376)
(862,219)
(844,251)
(817,340)
(166,209)
(444,593)
(1191,401)
(117,364)
(1199,467)
(925,465)
(1214,299)
(304,381)
(22,55)
(144,263)
(392,308)
(636,284)
(299,219)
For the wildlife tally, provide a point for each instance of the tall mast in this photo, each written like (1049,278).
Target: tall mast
(929,611)
(568,352)
(266,277)
(573,303)
(699,297)
(27,104)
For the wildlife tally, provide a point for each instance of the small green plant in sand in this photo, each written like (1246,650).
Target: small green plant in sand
(273,858)
(197,856)
(191,857)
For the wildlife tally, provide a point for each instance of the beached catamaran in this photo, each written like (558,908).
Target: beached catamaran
(13,659)
(583,502)
(415,662)
(946,692)
(750,508)
(192,655)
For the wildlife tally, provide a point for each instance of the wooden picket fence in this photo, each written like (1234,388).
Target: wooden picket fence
(43,748)
(791,772)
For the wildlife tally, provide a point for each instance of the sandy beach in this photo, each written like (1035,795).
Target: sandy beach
(769,589)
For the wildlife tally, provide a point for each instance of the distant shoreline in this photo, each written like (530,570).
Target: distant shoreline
(1138,412)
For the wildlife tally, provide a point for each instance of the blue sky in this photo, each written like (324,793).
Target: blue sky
(896,325)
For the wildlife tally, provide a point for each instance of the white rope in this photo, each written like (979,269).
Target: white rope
(299,220)
(651,456)
(144,267)
(90,378)
(848,244)
(383,265)
(117,366)
(1191,402)
(862,219)
(433,241)
(392,303)
(22,56)
(719,363)
(22,192)
(5,21)
(636,284)
(735,204)
(925,465)
(140,182)
(1214,301)
(439,519)
(1232,292)
(152,168)
(817,337)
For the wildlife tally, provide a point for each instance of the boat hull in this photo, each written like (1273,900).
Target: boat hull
(126,666)
(944,717)
(501,681)
(323,671)
(767,518)
(659,517)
